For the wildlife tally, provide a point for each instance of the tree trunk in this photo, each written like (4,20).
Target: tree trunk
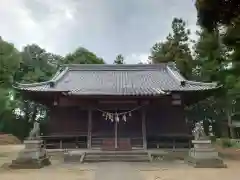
(230,125)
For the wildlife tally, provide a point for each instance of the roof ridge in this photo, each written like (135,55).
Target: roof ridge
(176,75)
(113,67)
(202,83)
(31,84)
(59,74)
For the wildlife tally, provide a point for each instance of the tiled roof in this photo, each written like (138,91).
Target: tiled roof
(143,80)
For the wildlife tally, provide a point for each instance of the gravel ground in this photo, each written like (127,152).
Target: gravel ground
(153,171)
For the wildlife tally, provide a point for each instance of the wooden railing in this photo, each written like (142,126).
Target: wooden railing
(61,141)
(136,142)
(169,141)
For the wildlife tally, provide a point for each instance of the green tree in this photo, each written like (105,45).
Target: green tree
(119,59)
(37,64)
(82,56)
(232,82)
(175,49)
(214,63)
(210,56)
(225,15)
(211,13)
(211,61)
(10,60)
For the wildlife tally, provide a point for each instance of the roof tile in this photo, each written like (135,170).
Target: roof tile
(118,80)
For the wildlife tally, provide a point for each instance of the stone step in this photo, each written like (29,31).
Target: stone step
(118,153)
(30,164)
(115,160)
(205,163)
(117,156)
(72,158)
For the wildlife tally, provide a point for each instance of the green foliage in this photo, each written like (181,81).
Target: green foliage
(82,56)
(119,59)
(213,139)
(9,63)
(175,49)
(10,60)
(225,142)
(211,13)
(38,65)
(210,56)
(228,143)
(33,64)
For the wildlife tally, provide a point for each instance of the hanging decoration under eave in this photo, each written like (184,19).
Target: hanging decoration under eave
(118,116)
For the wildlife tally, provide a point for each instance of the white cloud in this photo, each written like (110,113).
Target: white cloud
(137,58)
(21,28)
(106,27)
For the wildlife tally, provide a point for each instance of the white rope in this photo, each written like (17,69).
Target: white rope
(116,116)
(122,113)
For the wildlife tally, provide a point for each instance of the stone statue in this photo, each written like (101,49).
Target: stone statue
(35,132)
(198,131)
(203,154)
(210,128)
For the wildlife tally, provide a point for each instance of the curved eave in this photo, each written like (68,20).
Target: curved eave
(42,86)
(192,97)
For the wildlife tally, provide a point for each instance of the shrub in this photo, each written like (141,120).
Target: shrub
(226,142)
(213,139)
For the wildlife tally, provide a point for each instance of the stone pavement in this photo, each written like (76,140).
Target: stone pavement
(117,171)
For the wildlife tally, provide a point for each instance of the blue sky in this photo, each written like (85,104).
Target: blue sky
(106,27)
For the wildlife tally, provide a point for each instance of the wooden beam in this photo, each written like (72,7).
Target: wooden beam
(144,128)
(89,144)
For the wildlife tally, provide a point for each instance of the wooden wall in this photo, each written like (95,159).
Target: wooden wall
(100,126)
(161,118)
(166,120)
(67,120)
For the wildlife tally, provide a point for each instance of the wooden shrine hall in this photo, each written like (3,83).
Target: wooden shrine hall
(117,107)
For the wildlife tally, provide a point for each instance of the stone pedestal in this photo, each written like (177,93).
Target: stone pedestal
(33,156)
(204,155)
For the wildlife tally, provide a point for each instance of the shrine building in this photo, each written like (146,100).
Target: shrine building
(117,107)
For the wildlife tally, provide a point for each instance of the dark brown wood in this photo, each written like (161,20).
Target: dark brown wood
(118,102)
(144,129)
(124,144)
(108,144)
(89,129)
(157,120)
(67,121)
(116,134)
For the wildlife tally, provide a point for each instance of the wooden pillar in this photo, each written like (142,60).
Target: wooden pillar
(116,134)
(61,144)
(144,128)
(89,138)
